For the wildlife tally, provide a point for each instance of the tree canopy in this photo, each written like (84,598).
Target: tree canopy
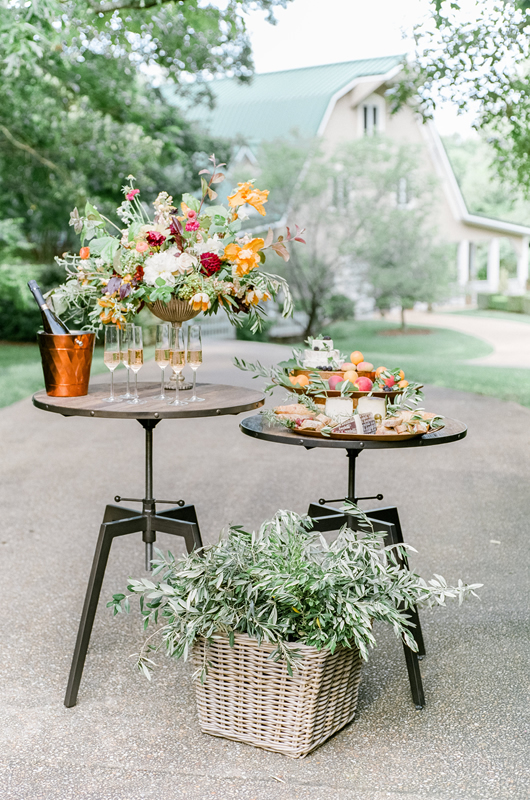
(82,107)
(477,57)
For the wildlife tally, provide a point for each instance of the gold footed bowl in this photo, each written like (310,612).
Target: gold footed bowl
(176,311)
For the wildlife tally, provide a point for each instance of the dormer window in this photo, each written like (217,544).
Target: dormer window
(370,119)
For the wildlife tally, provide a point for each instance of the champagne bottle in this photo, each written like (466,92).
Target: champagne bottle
(50,320)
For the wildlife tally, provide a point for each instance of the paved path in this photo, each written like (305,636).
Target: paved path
(510,340)
(464,506)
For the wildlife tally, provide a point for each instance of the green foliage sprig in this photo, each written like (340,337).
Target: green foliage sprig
(284,584)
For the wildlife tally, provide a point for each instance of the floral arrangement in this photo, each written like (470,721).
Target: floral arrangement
(284,584)
(195,253)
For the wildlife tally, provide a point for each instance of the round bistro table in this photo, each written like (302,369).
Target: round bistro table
(328,518)
(180,520)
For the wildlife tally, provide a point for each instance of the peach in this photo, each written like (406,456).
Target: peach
(334,380)
(365,366)
(403,384)
(356,357)
(364,384)
(299,380)
(350,376)
(346,367)
(401,374)
(389,381)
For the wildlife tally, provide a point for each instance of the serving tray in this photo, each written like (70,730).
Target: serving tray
(371,437)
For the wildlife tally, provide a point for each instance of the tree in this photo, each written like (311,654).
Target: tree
(478,59)
(361,233)
(82,107)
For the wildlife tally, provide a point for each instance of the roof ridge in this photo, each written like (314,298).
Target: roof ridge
(316,66)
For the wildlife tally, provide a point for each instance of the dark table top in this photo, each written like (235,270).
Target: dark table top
(219,399)
(259,428)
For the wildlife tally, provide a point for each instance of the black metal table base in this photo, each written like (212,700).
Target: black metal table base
(327,518)
(119,521)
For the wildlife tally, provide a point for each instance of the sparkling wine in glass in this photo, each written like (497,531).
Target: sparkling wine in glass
(195,357)
(125,334)
(177,360)
(111,356)
(163,353)
(136,359)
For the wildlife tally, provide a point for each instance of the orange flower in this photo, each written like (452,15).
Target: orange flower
(246,258)
(200,302)
(255,296)
(246,193)
(141,247)
(84,252)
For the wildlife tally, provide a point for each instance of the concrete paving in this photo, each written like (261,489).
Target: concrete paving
(509,339)
(464,506)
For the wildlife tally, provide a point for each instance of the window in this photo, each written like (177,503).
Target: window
(370,119)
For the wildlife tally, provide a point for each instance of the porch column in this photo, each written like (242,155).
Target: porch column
(494,254)
(522,263)
(462,261)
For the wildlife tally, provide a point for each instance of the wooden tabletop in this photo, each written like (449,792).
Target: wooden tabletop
(259,428)
(219,399)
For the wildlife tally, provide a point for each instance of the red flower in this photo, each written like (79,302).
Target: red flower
(131,194)
(139,274)
(211,263)
(155,239)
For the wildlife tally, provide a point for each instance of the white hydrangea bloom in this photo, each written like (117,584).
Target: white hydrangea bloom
(161,265)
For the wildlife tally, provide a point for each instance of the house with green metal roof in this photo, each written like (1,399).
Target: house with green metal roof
(340,102)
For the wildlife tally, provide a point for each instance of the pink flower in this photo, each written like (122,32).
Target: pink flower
(132,193)
(211,263)
(193,225)
(141,247)
(155,239)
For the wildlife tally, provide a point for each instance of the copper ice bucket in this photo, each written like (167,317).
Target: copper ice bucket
(66,360)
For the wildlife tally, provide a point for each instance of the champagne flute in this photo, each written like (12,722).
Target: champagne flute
(136,359)
(195,357)
(178,360)
(162,353)
(125,333)
(111,356)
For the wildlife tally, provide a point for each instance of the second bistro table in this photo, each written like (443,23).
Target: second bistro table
(118,521)
(328,518)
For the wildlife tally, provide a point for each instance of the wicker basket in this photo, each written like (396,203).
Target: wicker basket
(251,699)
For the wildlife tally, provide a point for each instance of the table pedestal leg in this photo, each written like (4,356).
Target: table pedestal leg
(120,527)
(328,518)
(118,521)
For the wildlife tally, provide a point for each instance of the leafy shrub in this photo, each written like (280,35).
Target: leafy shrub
(284,584)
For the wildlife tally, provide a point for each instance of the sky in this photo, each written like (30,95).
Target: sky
(310,32)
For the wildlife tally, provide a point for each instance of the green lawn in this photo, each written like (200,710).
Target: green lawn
(21,371)
(437,358)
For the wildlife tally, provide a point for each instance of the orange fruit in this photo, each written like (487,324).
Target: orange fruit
(303,380)
(350,376)
(401,374)
(403,384)
(379,370)
(356,357)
